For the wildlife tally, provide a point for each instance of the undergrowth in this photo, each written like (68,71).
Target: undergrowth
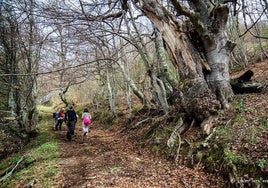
(229,150)
(36,163)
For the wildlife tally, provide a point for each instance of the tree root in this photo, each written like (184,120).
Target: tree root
(137,125)
(179,129)
(178,150)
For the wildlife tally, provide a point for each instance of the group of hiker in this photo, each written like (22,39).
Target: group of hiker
(70,118)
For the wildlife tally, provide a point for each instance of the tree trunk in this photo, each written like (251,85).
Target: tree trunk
(163,64)
(158,90)
(203,67)
(62,94)
(110,94)
(31,52)
(132,85)
(217,49)
(194,96)
(218,78)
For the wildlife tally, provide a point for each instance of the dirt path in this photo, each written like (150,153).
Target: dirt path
(108,159)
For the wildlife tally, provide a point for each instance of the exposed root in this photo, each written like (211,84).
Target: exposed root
(178,150)
(179,129)
(137,125)
(176,131)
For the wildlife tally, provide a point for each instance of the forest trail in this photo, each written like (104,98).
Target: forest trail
(109,159)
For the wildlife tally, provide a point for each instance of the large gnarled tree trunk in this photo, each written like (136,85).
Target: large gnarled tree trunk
(204,77)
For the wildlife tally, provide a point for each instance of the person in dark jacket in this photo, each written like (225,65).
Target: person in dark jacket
(70,120)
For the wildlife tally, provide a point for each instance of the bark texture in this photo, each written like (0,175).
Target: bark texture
(194,95)
(217,49)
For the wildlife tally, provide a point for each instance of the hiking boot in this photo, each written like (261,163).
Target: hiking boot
(69,136)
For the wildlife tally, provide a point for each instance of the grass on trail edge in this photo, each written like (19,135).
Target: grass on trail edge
(36,163)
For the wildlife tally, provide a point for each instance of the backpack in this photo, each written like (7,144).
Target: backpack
(86,121)
(55,115)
